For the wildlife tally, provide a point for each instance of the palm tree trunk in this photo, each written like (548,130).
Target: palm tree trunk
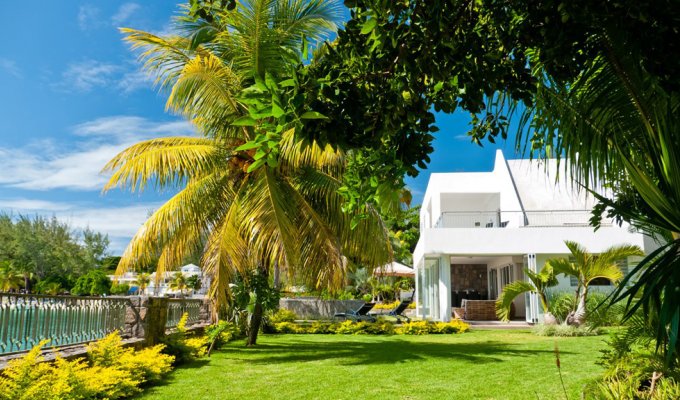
(255,322)
(27,283)
(580,314)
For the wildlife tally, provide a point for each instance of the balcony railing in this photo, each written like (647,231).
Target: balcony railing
(516,219)
(177,308)
(26,319)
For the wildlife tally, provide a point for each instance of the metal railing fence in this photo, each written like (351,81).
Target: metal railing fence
(516,219)
(177,307)
(26,319)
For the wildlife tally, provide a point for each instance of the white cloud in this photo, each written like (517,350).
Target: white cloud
(135,80)
(78,168)
(120,223)
(88,17)
(124,12)
(88,74)
(10,66)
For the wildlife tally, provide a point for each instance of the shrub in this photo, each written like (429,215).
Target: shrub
(392,305)
(455,326)
(282,315)
(112,372)
(561,303)
(120,288)
(414,328)
(321,327)
(220,333)
(183,346)
(94,283)
(288,327)
(565,330)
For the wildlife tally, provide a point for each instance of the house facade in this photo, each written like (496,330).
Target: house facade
(479,231)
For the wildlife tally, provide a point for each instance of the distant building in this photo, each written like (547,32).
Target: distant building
(163,287)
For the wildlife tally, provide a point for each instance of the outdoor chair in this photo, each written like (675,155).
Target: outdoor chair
(399,309)
(360,314)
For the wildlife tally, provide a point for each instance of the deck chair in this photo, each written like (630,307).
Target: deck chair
(399,309)
(360,314)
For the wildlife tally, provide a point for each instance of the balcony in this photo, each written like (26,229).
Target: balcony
(516,219)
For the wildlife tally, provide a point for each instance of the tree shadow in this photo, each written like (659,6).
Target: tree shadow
(379,352)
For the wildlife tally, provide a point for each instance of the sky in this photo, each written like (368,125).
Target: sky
(73,96)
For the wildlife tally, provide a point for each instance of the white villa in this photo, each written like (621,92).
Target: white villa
(163,287)
(478,231)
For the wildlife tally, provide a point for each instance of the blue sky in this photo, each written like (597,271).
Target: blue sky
(73,95)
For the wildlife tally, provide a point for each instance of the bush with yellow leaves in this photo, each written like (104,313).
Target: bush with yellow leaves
(111,372)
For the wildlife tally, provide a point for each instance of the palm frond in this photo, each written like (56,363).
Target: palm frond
(508,295)
(168,162)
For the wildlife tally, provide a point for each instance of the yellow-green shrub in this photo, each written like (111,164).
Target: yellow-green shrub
(288,327)
(414,328)
(111,373)
(393,305)
(282,315)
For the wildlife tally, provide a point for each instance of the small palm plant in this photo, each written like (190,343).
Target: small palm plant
(538,283)
(9,279)
(179,282)
(142,282)
(587,267)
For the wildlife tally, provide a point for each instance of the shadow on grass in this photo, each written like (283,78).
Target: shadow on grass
(377,352)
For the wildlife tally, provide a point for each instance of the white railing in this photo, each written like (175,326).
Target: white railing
(516,219)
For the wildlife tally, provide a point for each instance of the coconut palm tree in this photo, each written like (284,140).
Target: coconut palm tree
(9,279)
(619,125)
(142,281)
(587,267)
(179,282)
(288,214)
(538,283)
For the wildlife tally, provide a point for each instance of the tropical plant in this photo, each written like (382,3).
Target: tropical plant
(178,282)
(53,288)
(94,283)
(287,212)
(142,281)
(194,282)
(538,283)
(588,267)
(9,278)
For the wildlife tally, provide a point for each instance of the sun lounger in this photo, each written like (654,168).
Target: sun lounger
(360,314)
(397,312)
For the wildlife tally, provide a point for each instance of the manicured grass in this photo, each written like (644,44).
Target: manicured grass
(474,365)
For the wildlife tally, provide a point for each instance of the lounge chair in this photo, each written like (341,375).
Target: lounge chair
(399,309)
(359,314)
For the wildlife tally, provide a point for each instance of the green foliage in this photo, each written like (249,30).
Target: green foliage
(563,330)
(220,333)
(600,312)
(93,283)
(45,248)
(428,327)
(194,282)
(539,282)
(119,288)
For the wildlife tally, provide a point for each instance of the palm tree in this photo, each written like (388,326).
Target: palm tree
(618,124)
(142,281)
(53,288)
(587,267)
(9,279)
(179,282)
(289,214)
(538,283)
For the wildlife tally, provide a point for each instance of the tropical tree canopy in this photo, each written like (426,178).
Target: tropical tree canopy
(587,267)
(286,212)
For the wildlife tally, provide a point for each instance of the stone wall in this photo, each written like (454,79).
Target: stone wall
(469,276)
(314,308)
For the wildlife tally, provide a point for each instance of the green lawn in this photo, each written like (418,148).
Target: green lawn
(474,365)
